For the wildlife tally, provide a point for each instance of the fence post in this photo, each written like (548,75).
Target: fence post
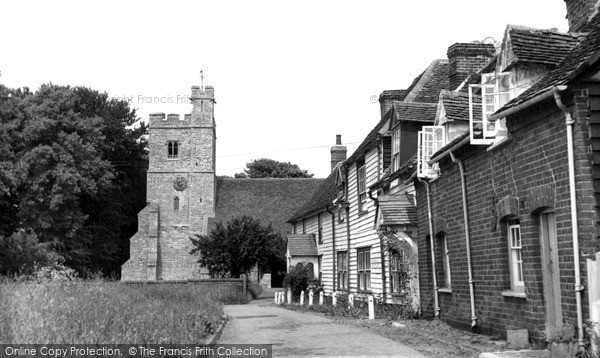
(310,296)
(301,298)
(289,296)
(371,307)
(245,288)
(321,298)
(351,300)
(333,299)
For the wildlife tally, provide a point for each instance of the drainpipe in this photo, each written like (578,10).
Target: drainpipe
(431,243)
(461,167)
(334,257)
(572,189)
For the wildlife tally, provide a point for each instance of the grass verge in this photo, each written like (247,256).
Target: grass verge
(108,313)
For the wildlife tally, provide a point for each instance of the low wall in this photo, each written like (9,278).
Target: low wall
(227,289)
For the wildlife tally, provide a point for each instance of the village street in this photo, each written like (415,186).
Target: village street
(295,334)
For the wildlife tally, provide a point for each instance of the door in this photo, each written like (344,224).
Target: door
(550,270)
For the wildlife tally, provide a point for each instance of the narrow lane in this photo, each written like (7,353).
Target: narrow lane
(295,334)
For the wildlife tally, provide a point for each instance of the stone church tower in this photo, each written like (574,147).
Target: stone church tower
(180,193)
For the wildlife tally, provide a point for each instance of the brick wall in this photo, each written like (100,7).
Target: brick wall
(465,59)
(528,168)
(579,12)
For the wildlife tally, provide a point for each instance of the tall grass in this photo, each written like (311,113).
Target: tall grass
(108,313)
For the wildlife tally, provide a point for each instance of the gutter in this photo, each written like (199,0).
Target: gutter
(448,152)
(463,178)
(431,242)
(570,122)
(513,110)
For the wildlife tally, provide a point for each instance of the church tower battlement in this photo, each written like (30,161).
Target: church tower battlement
(180,192)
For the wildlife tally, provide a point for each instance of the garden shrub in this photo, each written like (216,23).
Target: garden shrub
(23,254)
(299,278)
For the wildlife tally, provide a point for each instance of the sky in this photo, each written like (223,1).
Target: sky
(288,75)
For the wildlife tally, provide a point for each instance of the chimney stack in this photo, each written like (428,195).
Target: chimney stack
(388,97)
(579,13)
(465,59)
(338,152)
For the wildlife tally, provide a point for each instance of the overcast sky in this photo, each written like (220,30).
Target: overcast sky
(288,76)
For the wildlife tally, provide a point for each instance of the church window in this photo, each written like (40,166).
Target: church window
(172,149)
(176,203)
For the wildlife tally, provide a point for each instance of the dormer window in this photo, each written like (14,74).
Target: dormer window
(431,139)
(485,99)
(172,149)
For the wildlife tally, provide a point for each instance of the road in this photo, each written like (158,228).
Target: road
(296,334)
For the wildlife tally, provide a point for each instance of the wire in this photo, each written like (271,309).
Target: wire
(281,150)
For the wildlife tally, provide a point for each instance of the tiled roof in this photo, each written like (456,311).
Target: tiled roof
(271,200)
(433,80)
(454,142)
(456,106)
(397,209)
(302,245)
(322,197)
(403,173)
(547,47)
(397,95)
(582,56)
(416,112)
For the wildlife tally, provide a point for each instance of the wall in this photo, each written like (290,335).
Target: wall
(528,167)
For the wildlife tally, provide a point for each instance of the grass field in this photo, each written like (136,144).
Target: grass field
(109,313)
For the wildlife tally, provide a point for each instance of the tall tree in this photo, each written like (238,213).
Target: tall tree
(269,168)
(73,172)
(236,248)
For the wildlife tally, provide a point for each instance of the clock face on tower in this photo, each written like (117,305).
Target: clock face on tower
(180,183)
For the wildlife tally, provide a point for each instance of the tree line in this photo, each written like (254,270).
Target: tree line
(72,179)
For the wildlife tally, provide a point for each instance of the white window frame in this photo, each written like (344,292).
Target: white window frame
(515,255)
(430,140)
(445,262)
(361,184)
(492,98)
(342,270)
(363,258)
(396,150)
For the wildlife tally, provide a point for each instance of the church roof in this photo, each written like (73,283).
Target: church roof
(321,198)
(271,200)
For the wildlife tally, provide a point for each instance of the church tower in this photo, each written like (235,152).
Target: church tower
(180,193)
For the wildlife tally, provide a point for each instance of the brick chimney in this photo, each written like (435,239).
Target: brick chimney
(579,12)
(338,152)
(388,97)
(465,59)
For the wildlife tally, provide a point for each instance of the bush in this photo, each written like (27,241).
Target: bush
(23,254)
(299,278)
